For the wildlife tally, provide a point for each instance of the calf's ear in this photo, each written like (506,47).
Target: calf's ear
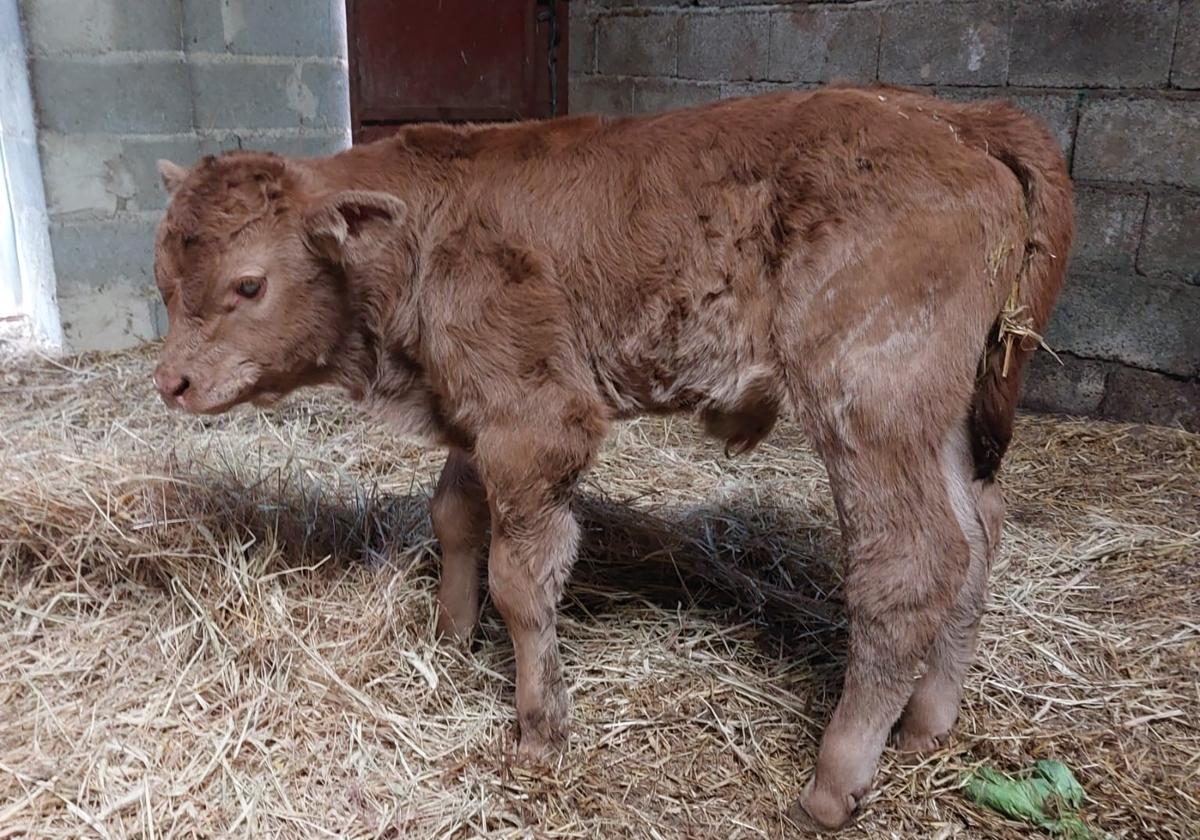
(346,221)
(172,175)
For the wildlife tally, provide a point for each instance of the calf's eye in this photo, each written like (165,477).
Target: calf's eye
(249,287)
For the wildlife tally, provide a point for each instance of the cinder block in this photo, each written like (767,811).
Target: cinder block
(1135,320)
(600,95)
(252,95)
(1057,111)
(98,26)
(636,45)
(159,317)
(115,317)
(1155,140)
(85,95)
(1171,240)
(1108,227)
(1076,386)
(266,27)
(1092,43)
(945,43)
(1185,70)
(310,145)
(104,174)
(293,144)
(820,43)
(728,46)
(91,256)
(654,95)
(74,172)
(583,39)
(1133,395)
(731,89)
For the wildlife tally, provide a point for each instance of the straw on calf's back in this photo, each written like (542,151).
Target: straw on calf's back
(856,259)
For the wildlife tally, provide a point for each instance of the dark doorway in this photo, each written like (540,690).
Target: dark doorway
(454,60)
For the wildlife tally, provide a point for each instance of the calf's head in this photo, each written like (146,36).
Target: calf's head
(252,260)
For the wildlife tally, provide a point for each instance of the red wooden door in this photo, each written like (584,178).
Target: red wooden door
(454,60)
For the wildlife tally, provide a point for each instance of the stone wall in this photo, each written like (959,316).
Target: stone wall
(120,83)
(1118,81)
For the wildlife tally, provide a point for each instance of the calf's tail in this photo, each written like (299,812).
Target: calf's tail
(1026,147)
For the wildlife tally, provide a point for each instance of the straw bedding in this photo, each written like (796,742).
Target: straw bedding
(224,627)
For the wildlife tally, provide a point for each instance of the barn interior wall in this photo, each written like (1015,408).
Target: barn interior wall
(1118,82)
(118,84)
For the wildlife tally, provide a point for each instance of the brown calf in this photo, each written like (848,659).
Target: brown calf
(849,258)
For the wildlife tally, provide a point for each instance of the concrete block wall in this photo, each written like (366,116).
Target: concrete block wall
(28,311)
(118,84)
(1117,81)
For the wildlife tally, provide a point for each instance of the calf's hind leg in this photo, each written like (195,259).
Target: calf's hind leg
(907,559)
(979,508)
(460,516)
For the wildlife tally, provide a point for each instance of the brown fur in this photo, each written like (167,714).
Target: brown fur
(839,257)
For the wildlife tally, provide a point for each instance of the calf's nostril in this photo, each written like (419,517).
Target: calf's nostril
(181,386)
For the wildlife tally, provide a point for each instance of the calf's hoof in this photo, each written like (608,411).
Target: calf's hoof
(535,748)
(455,629)
(925,726)
(822,809)
(543,738)
(916,742)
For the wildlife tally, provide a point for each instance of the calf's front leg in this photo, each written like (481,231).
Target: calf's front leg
(533,549)
(460,515)
(530,479)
